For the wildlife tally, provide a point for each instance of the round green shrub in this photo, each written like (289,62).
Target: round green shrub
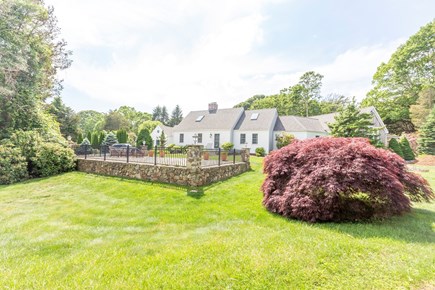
(227,146)
(13,166)
(395,147)
(51,159)
(406,149)
(260,152)
(284,140)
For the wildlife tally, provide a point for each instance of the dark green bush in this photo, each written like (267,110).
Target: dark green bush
(395,147)
(144,136)
(260,152)
(13,166)
(406,149)
(51,159)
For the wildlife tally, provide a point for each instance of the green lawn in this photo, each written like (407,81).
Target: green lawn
(86,231)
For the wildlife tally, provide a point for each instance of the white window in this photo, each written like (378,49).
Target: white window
(242,138)
(254,116)
(181,138)
(199,138)
(254,138)
(199,119)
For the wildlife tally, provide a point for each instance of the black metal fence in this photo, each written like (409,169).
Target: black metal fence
(171,156)
(130,154)
(217,157)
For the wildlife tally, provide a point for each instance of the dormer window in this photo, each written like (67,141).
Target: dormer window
(254,116)
(199,119)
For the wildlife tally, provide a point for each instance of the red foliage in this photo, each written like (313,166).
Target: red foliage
(339,179)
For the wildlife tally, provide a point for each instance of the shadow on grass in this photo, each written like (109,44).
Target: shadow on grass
(417,227)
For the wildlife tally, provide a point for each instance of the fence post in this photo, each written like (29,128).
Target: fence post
(104,151)
(234,156)
(86,151)
(128,153)
(219,158)
(100,150)
(155,155)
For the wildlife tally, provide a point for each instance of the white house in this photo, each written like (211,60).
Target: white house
(250,128)
(156,133)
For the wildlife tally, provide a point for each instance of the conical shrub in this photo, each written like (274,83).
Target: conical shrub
(395,147)
(406,149)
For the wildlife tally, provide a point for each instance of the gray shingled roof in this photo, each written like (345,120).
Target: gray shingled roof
(330,118)
(298,124)
(223,119)
(265,120)
(168,130)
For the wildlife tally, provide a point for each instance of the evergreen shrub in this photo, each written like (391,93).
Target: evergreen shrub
(395,147)
(13,166)
(51,159)
(406,149)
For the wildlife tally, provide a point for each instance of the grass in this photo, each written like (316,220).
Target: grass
(85,231)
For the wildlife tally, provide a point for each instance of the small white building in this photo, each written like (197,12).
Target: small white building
(156,133)
(250,128)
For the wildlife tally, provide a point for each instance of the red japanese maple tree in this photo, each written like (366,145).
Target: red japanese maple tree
(339,179)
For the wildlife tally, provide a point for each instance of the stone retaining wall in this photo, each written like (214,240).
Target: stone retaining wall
(188,176)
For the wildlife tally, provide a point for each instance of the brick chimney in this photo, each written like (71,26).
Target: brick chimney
(212,108)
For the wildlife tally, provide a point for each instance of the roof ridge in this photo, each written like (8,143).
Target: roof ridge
(300,124)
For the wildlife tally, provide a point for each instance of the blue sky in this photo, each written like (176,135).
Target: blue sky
(191,52)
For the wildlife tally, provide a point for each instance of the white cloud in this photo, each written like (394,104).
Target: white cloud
(157,59)
(351,72)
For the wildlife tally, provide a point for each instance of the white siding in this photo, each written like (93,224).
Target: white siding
(207,138)
(263,140)
(155,134)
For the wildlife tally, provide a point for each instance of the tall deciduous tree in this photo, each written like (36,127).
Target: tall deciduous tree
(67,118)
(134,117)
(398,83)
(31,54)
(115,121)
(87,120)
(302,99)
(149,125)
(311,84)
(247,104)
(422,108)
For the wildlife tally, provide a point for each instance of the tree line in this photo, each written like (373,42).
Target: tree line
(403,93)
